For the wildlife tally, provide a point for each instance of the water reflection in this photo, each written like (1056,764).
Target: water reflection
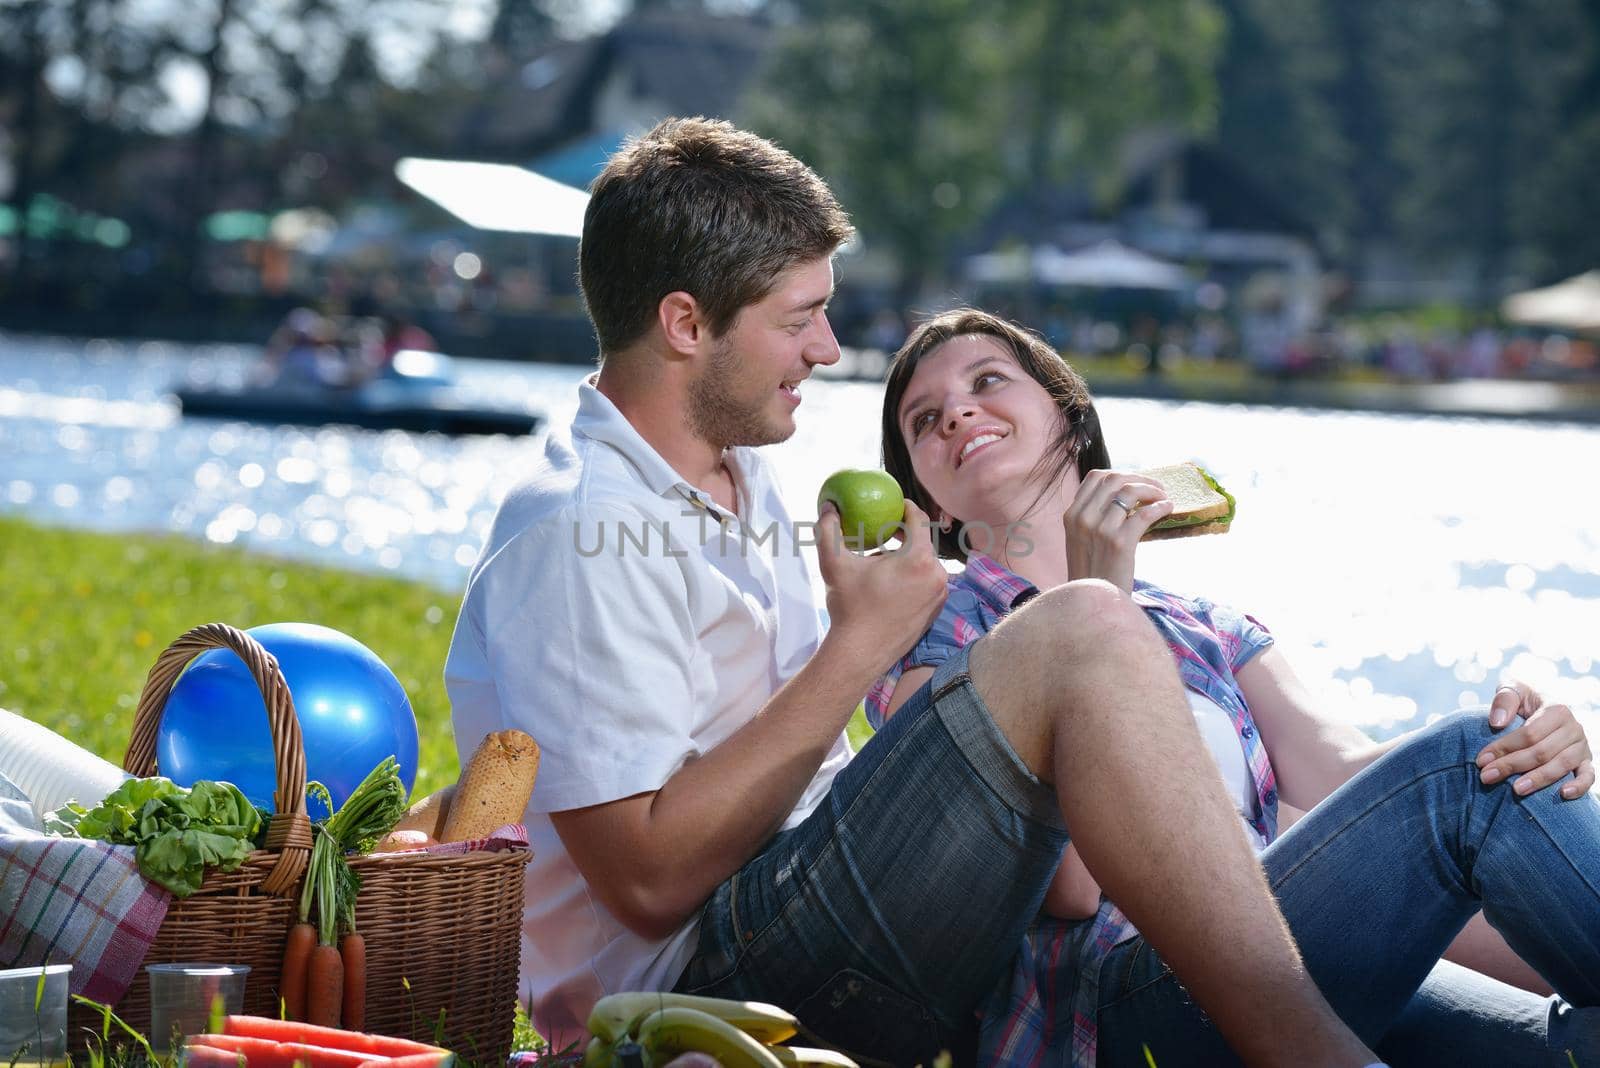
(1403,563)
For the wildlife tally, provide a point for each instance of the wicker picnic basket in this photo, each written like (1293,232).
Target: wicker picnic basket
(442,932)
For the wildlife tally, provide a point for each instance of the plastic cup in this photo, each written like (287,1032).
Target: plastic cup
(185,997)
(33,1019)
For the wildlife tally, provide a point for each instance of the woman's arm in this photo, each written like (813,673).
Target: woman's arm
(1313,753)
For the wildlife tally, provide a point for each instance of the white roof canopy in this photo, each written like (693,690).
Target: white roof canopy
(497,196)
(1107,265)
(1570,305)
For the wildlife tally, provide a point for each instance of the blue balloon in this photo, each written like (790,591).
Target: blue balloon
(353,712)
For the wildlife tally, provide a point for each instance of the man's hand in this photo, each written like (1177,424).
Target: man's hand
(1545,749)
(883,603)
(1105,521)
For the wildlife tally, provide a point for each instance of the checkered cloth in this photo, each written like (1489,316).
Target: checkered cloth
(511,836)
(82,902)
(72,901)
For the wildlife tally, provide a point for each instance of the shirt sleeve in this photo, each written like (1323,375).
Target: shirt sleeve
(957,625)
(1242,636)
(590,653)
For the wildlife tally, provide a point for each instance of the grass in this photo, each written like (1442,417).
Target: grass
(86,615)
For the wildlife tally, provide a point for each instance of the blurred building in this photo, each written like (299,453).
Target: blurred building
(1182,203)
(563,111)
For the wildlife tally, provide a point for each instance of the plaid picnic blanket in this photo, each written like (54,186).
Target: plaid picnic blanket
(82,902)
(73,901)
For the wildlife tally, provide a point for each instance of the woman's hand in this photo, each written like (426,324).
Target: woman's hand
(1548,747)
(1105,521)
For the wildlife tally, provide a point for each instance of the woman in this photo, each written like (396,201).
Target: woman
(995,436)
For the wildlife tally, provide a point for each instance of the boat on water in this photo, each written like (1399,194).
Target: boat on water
(414,392)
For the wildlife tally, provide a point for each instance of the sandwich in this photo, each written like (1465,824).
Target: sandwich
(1200,504)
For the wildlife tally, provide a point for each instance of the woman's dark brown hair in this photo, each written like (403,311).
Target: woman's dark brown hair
(1079,438)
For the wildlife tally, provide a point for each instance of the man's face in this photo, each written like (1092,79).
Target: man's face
(750,387)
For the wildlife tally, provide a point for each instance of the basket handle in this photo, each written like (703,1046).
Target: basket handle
(289,833)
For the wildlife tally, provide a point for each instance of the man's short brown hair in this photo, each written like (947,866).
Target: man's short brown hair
(699,206)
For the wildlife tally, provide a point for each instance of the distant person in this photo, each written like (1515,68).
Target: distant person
(304,351)
(382,339)
(399,332)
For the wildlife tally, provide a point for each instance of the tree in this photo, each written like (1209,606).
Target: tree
(923,115)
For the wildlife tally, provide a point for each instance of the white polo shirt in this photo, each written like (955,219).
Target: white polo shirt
(629,624)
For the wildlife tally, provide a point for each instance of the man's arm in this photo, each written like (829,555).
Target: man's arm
(654,858)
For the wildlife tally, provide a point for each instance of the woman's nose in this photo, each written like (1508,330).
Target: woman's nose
(958,415)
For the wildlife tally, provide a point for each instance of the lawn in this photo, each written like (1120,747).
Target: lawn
(86,615)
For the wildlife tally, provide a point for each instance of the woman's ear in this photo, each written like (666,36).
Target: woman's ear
(944,521)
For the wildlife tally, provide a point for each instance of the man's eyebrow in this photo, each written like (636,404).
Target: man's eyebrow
(919,400)
(811,305)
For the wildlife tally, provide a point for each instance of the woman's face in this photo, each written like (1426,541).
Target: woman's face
(976,426)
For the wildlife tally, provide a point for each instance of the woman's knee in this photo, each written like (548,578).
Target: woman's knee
(1464,732)
(1088,613)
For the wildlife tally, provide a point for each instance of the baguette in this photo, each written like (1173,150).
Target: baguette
(494,787)
(428,815)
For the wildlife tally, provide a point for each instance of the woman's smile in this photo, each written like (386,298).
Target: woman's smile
(975,441)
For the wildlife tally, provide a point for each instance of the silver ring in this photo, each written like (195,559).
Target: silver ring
(1127,509)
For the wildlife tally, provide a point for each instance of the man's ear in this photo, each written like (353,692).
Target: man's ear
(682,322)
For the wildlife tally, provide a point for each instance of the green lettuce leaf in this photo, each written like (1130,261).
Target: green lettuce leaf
(176,833)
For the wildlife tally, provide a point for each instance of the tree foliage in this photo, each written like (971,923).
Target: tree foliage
(1448,132)
(924,113)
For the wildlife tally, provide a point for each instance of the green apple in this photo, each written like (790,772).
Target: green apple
(870,505)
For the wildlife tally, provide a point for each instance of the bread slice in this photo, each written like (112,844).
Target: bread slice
(1200,504)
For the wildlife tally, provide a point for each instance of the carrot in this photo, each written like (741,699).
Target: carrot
(324,986)
(331,1037)
(266,1053)
(353,952)
(437,1059)
(200,1055)
(292,980)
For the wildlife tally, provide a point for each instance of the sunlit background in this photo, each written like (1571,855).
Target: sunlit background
(1318,208)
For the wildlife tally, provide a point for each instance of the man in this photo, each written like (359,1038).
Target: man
(699,822)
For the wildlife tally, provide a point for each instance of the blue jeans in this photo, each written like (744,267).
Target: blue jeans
(1375,882)
(885,917)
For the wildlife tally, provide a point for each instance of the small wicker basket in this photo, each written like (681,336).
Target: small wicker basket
(442,932)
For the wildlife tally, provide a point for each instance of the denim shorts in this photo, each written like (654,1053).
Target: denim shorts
(886,917)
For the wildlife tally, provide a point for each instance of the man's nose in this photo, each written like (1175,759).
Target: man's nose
(824,347)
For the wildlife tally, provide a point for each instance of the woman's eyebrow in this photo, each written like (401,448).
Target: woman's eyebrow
(920,399)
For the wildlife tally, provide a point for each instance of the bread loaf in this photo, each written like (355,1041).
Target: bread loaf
(494,787)
(428,815)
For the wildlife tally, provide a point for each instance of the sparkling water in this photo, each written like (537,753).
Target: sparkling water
(1402,562)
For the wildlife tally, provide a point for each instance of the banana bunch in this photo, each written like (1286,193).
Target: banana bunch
(647,1029)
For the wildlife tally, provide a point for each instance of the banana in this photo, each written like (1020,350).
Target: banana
(598,1053)
(665,1033)
(801,1057)
(615,1015)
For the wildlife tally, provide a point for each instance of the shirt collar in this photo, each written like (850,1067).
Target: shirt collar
(1003,588)
(600,420)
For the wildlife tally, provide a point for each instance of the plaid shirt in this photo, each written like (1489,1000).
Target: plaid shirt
(1045,1012)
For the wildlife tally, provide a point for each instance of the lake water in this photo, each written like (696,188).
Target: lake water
(1402,562)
